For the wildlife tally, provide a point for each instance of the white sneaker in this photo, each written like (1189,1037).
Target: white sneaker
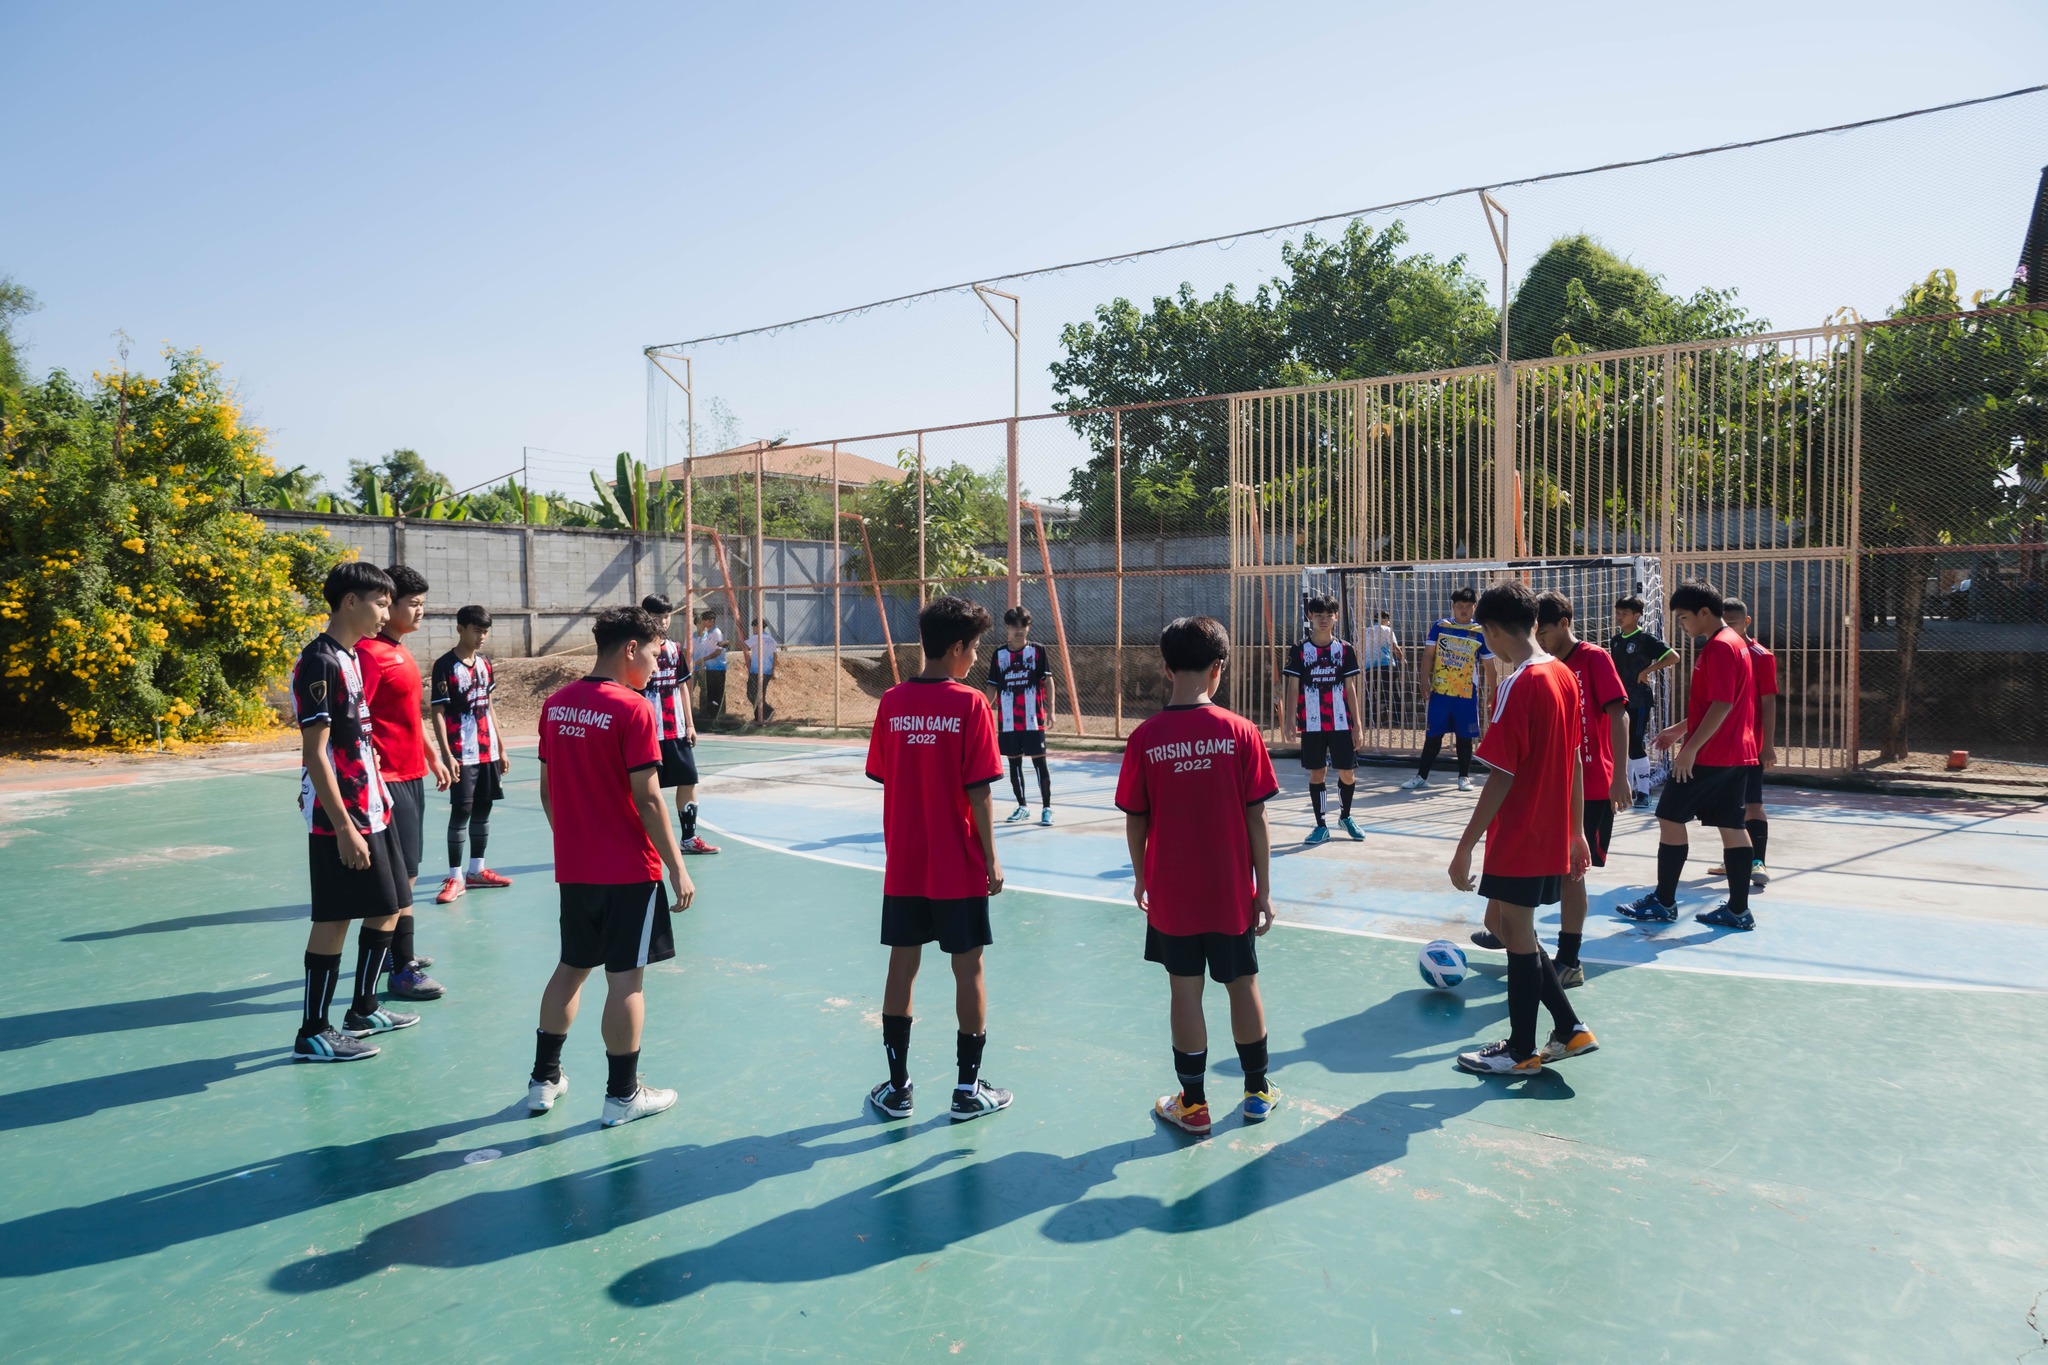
(1415,784)
(638,1105)
(541,1095)
(1464,784)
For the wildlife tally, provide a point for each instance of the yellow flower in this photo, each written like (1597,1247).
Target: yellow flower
(134,545)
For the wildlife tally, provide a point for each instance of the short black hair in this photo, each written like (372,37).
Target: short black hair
(1552,607)
(1192,644)
(1464,595)
(1631,602)
(353,576)
(1693,595)
(1018,616)
(474,615)
(655,604)
(947,621)
(709,613)
(1386,616)
(1321,602)
(622,625)
(1734,606)
(1510,606)
(406,581)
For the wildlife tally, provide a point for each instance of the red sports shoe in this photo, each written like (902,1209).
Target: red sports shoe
(483,876)
(695,844)
(451,887)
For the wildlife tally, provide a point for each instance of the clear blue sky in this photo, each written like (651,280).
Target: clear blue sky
(453,226)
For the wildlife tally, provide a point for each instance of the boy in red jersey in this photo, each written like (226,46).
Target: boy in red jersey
(356,868)
(600,763)
(1763,667)
(1715,745)
(668,692)
(1193,790)
(1321,704)
(476,759)
(1529,812)
(1021,678)
(934,752)
(391,677)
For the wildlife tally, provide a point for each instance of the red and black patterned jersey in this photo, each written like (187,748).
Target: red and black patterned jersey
(1019,677)
(462,699)
(1322,669)
(665,688)
(327,688)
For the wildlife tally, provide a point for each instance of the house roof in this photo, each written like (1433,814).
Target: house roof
(787,462)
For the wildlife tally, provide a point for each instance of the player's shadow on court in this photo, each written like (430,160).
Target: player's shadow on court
(493,1225)
(240,1197)
(195,1007)
(79,1099)
(268,914)
(1361,1139)
(1404,1031)
(899,1216)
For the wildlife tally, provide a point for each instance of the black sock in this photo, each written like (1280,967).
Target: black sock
(1431,746)
(968,1051)
(373,950)
(323,970)
(1044,781)
(1564,1019)
(1017,776)
(1315,800)
(624,1080)
(1568,949)
(1252,1058)
(896,1043)
(1525,997)
(1759,837)
(1738,861)
(689,821)
(401,943)
(547,1054)
(1670,865)
(1464,755)
(1345,791)
(1190,1066)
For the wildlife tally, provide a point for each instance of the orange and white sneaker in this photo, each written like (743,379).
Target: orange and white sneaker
(1558,1046)
(451,887)
(1496,1059)
(1189,1118)
(695,844)
(483,876)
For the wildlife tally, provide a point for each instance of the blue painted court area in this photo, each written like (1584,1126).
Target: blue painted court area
(1781,1166)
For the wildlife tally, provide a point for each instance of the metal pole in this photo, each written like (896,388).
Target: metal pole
(525,488)
(760,581)
(923,590)
(1506,516)
(1014,326)
(838,572)
(689,476)
(1116,439)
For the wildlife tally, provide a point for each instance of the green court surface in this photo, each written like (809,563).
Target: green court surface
(1750,1169)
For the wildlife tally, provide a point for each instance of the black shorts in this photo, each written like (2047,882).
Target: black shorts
(408,810)
(1596,818)
(1753,785)
(1328,749)
(1713,797)
(1529,891)
(1020,743)
(343,893)
(619,926)
(678,763)
(1227,956)
(476,782)
(959,926)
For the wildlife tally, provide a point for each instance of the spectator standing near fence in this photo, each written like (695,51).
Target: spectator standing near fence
(707,661)
(760,650)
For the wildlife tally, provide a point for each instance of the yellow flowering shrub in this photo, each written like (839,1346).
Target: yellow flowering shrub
(134,597)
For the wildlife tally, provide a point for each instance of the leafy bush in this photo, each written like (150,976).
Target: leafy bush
(132,593)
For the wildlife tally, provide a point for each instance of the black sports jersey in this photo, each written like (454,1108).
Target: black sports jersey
(327,686)
(1019,677)
(462,699)
(1322,670)
(664,687)
(1633,653)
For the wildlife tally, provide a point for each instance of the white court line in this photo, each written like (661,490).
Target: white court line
(1408,938)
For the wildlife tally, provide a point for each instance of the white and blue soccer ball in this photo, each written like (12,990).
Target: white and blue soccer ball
(1441,963)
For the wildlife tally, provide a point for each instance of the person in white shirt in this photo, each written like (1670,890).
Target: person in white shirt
(761,647)
(707,663)
(1379,650)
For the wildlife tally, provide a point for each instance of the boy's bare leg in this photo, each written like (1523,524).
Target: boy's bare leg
(970,991)
(560,1000)
(1184,1013)
(625,1010)
(903,964)
(1247,1011)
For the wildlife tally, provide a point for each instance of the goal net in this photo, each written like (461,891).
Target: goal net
(1407,599)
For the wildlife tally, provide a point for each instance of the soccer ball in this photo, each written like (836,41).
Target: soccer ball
(1441,963)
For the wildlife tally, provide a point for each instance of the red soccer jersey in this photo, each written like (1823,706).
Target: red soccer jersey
(1322,707)
(1763,672)
(933,739)
(1600,686)
(593,733)
(391,677)
(1193,770)
(1722,673)
(1534,737)
(665,688)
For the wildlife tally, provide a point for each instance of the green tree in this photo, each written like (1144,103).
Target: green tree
(15,300)
(404,475)
(1356,308)
(1579,296)
(963,511)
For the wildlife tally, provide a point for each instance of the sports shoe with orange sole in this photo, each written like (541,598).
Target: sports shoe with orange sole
(1189,1118)
(1495,1059)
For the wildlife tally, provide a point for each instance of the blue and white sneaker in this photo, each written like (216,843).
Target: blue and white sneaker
(1019,816)
(1723,916)
(1319,835)
(332,1045)
(541,1095)
(1351,828)
(1259,1104)
(1648,910)
(379,1020)
(1045,816)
